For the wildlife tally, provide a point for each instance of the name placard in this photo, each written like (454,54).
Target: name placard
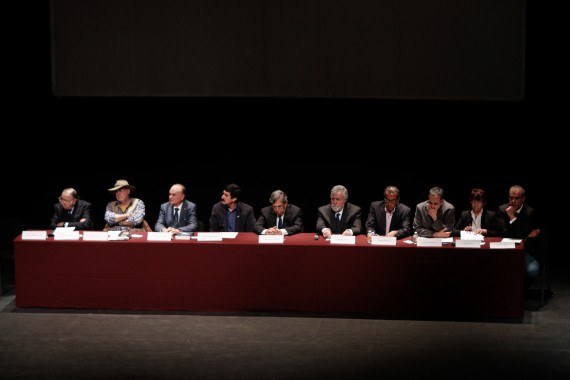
(502,245)
(383,240)
(209,236)
(34,235)
(342,239)
(95,235)
(429,242)
(68,235)
(470,243)
(271,239)
(159,236)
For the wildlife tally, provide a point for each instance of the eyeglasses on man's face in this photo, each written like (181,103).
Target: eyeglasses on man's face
(277,207)
(67,201)
(390,201)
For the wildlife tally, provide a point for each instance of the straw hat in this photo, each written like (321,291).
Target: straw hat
(121,183)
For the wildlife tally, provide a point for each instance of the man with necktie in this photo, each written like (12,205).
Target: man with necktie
(71,211)
(339,217)
(178,215)
(281,218)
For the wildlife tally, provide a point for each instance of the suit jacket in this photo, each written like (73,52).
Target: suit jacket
(292,220)
(401,219)
(245,220)
(351,218)
(527,220)
(489,221)
(81,210)
(424,224)
(187,220)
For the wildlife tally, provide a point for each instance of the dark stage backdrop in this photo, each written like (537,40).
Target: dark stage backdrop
(380,49)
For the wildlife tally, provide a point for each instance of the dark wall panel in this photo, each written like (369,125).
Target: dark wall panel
(386,49)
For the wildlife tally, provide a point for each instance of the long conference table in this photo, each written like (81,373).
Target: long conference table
(299,275)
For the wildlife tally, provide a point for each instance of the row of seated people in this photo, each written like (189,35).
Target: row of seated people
(433,217)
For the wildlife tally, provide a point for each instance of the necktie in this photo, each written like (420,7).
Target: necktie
(337,217)
(280,223)
(176,216)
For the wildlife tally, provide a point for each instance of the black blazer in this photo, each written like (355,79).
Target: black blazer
(489,221)
(292,220)
(82,209)
(245,220)
(527,220)
(351,218)
(401,219)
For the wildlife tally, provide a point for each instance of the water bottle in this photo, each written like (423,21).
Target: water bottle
(415,237)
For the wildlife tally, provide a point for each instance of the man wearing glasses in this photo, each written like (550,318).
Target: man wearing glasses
(71,211)
(389,217)
(281,218)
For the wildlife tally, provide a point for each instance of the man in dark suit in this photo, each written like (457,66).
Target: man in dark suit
(389,210)
(231,214)
(281,218)
(71,212)
(520,221)
(178,214)
(339,217)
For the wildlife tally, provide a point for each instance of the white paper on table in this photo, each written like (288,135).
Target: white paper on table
(62,230)
(271,239)
(229,235)
(509,240)
(116,235)
(469,235)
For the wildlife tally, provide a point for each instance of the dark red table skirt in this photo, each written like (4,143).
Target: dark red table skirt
(300,275)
